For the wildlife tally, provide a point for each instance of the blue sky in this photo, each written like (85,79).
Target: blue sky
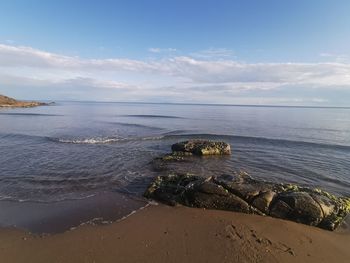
(239,52)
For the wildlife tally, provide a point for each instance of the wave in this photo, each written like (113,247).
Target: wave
(180,135)
(184,136)
(90,140)
(136,125)
(176,132)
(106,140)
(11,198)
(19,136)
(152,116)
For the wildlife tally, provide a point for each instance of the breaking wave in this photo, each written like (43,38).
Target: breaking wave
(106,140)
(91,140)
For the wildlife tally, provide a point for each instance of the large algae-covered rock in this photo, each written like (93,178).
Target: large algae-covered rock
(195,191)
(297,206)
(308,206)
(242,194)
(202,147)
(210,195)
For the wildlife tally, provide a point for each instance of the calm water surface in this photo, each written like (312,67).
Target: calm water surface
(73,150)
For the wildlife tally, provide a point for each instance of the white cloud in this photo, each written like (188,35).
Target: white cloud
(161,50)
(195,70)
(13,56)
(176,77)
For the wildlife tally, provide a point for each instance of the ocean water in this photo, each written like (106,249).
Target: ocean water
(73,150)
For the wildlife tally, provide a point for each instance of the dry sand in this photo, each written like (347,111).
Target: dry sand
(180,234)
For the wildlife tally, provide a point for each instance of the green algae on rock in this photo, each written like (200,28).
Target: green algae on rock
(201,147)
(299,204)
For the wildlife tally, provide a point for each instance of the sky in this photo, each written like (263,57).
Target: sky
(271,52)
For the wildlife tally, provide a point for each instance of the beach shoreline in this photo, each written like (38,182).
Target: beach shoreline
(61,216)
(160,233)
(69,152)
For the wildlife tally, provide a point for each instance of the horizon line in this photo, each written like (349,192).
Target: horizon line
(209,104)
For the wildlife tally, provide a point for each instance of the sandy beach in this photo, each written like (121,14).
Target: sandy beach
(174,131)
(161,233)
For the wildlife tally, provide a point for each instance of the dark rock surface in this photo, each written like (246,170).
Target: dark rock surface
(302,205)
(201,147)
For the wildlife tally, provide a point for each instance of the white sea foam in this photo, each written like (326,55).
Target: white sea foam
(38,200)
(152,138)
(134,212)
(106,140)
(91,140)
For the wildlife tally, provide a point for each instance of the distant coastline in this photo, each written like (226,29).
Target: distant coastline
(7,102)
(210,104)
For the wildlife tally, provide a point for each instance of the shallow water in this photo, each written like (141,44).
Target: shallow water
(74,150)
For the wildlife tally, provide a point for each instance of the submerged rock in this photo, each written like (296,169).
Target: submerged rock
(308,206)
(201,147)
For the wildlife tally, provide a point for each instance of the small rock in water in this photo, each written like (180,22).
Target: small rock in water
(202,147)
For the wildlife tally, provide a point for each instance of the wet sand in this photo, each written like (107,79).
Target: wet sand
(180,234)
(56,217)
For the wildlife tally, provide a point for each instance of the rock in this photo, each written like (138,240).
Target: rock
(161,163)
(280,209)
(335,209)
(241,193)
(247,188)
(263,201)
(228,202)
(194,191)
(202,147)
(327,205)
(212,188)
(246,195)
(170,188)
(303,208)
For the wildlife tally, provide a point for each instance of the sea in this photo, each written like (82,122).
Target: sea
(75,150)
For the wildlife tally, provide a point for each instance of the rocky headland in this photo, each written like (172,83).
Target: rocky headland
(12,103)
